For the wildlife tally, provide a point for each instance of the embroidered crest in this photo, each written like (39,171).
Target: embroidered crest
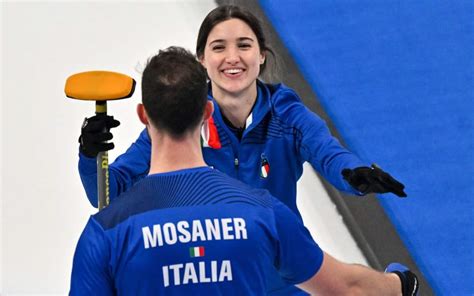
(264,166)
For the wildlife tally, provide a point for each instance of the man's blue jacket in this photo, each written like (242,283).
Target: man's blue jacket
(280,135)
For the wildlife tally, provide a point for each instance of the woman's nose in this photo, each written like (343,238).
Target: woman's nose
(232,56)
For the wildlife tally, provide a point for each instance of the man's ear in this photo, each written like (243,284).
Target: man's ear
(142,114)
(208,110)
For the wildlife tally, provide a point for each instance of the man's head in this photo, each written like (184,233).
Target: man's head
(174,92)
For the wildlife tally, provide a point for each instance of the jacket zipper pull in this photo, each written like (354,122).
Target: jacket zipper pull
(236,162)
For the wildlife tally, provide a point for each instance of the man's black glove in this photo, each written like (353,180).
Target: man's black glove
(95,131)
(409,280)
(373,180)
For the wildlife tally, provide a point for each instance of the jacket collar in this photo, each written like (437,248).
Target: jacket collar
(259,111)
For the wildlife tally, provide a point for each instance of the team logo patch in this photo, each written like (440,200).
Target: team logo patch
(264,167)
(196,252)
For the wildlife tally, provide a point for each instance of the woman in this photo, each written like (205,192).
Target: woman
(260,134)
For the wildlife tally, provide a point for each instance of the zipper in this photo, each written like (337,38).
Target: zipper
(236,166)
(234,142)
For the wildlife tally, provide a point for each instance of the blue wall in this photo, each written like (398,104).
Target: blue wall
(397,80)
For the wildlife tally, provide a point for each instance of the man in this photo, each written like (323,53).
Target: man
(187,229)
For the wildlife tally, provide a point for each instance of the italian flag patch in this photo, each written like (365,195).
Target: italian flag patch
(209,135)
(264,168)
(196,252)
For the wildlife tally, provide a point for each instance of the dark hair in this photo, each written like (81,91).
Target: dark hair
(227,12)
(174,90)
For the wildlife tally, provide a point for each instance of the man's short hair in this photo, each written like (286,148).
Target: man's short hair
(174,91)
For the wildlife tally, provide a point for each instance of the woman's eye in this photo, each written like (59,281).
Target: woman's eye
(218,47)
(244,45)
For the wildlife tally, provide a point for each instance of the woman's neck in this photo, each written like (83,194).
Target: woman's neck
(236,107)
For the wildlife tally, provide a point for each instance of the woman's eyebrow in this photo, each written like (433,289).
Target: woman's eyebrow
(238,39)
(244,39)
(217,41)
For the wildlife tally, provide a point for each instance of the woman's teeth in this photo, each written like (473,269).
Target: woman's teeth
(232,71)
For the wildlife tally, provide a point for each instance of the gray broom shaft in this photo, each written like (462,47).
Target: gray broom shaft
(102,180)
(102,166)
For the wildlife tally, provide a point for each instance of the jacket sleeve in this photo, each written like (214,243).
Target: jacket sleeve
(315,143)
(298,256)
(125,171)
(91,274)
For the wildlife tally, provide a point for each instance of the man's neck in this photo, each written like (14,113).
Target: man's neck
(170,154)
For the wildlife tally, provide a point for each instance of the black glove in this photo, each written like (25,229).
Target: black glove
(94,133)
(373,180)
(409,280)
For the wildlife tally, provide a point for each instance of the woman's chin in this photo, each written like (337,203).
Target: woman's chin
(233,88)
(237,87)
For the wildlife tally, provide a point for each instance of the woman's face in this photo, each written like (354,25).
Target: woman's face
(232,58)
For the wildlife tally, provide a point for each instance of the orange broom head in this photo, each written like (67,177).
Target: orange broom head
(99,86)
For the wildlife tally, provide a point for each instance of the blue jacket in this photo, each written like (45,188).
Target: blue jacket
(163,236)
(281,134)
